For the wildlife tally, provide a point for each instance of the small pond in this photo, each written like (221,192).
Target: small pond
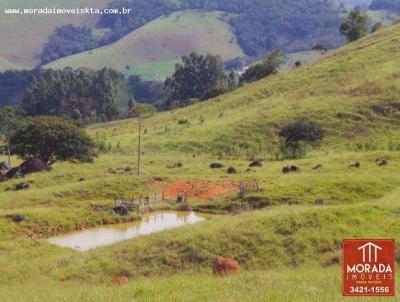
(107,235)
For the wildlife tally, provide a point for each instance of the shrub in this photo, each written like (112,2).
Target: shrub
(214,92)
(52,139)
(355,26)
(296,135)
(141,109)
(322,49)
(303,130)
(291,150)
(183,122)
(269,66)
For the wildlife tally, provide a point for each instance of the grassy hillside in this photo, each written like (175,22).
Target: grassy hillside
(353,93)
(289,251)
(282,244)
(153,50)
(23,36)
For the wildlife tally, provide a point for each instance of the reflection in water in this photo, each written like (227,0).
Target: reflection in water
(102,236)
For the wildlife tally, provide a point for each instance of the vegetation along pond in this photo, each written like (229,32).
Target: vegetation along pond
(107,235)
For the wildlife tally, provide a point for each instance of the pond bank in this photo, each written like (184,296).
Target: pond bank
(107,235)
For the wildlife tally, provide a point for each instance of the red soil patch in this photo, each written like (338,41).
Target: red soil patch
(226,266)
(200,190)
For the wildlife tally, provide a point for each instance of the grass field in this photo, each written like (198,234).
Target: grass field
(23,36)
(289,251)
(152,50)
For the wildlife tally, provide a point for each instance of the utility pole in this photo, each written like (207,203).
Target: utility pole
(8,151)
(139,142)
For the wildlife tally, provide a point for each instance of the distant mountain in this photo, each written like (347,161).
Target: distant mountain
(256,26)
(357,2)
(153,50)
(24,36)
(389,5)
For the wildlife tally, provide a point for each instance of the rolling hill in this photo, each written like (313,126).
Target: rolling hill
(352,92)
(153,50)
(288,251)
(256,27)
(23,36)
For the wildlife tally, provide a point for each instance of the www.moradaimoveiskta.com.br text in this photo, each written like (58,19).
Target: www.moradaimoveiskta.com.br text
(67,11)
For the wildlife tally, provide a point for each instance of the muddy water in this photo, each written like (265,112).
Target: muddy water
(107,235)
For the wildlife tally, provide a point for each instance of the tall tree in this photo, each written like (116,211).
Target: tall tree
(52,139)
(10,119)
(198,76)
(232,80)
(63,92)
(355,26)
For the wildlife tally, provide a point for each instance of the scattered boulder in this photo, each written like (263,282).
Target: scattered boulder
(22,186)
(14,172)
(5,166)
(319,202)
(317,167)
(289,169)
(256,163)
(216,166)
(226,266)
(383,162)
(121,210)
(355,165)
(2,177)
(17,218)
(33,165)
(231,170)
(175,165)
(82,179)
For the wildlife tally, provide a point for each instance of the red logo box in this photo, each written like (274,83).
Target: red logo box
(368,267)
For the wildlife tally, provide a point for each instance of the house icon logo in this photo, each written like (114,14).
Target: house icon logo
(368,267)
(370,252)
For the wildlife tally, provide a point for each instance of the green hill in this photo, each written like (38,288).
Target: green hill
(23,36)
(288,251)
(256,27)
(351,92)
(152,50)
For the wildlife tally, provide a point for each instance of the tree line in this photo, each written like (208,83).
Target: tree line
(390,5)
(260,25)
(42,126)
(78,94)
(93,96)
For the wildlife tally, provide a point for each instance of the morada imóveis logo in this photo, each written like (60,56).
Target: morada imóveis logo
(368,267)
